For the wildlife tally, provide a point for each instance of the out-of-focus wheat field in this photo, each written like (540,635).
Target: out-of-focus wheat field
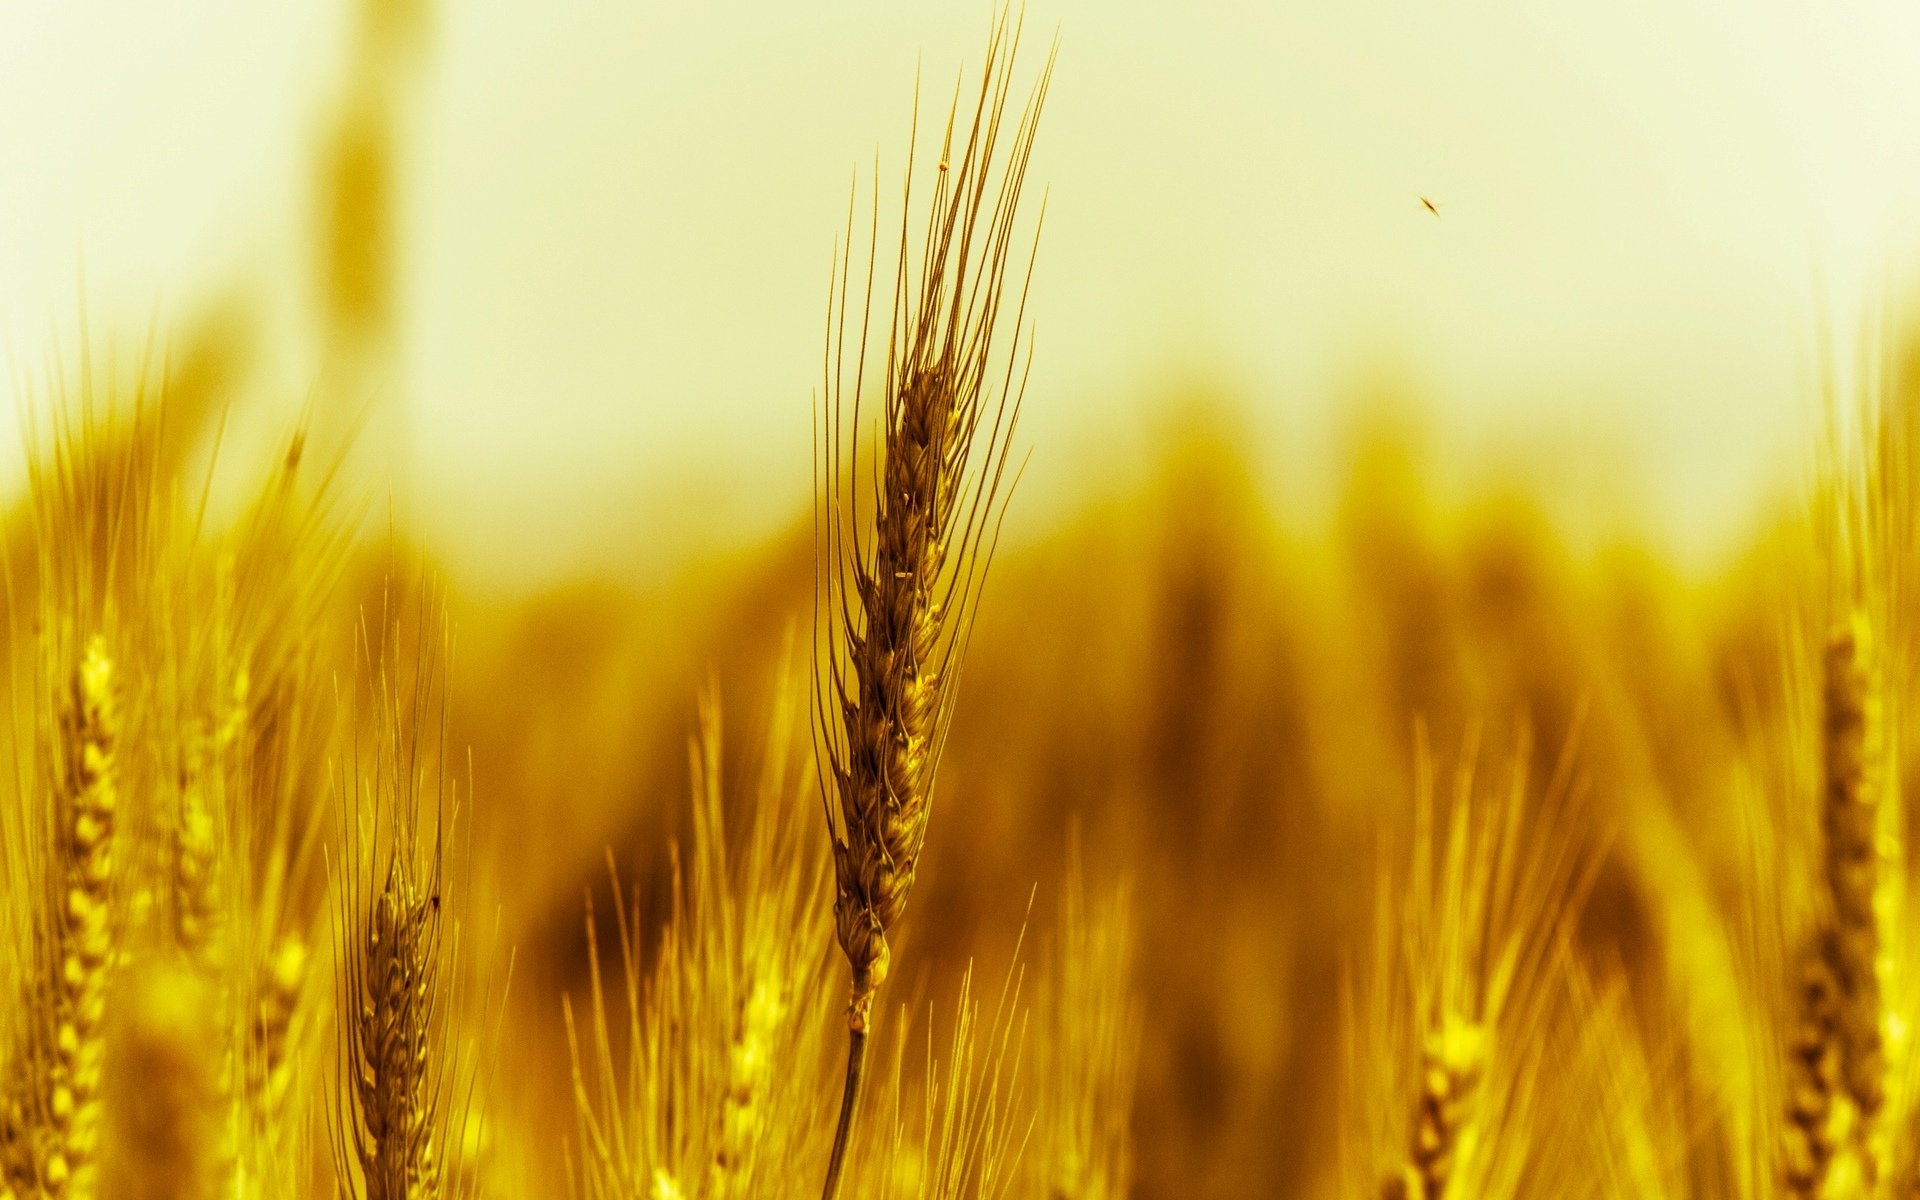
(1433,724)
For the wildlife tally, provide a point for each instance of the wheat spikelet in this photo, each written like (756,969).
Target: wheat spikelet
(198,831)
(1816,1124)
(271,1016)
(392,1086)
(196,904)
(901,567)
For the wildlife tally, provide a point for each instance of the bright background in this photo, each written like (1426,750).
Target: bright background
(616,224)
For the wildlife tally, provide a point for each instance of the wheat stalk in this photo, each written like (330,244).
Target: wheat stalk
(902,563)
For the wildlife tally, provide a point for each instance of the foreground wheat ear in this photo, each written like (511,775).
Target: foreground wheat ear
(49,1127)
(904,528)
(405,1091)
(1838,1068)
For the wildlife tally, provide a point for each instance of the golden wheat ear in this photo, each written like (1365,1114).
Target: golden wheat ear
(50,1113)
(730,1114)
(403,1085)
(1472,934)
(101,481)
(88,787)
(1837,1071)
(905,527)
(1088,1058)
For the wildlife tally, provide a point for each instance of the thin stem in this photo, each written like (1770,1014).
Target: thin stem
(856,1066)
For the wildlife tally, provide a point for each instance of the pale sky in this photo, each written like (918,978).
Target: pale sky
(618,220)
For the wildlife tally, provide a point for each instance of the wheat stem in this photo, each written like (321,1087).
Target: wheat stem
(843,1129)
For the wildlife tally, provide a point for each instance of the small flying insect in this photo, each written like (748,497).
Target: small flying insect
(1430,206)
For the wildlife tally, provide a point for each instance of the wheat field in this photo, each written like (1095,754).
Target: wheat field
(1188,849)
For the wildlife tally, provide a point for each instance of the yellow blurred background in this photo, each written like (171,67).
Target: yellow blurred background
(612,225)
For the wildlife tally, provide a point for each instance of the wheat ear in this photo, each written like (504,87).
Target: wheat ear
(276,993)
(402,1082)
(904,538)
(89,809)
(1452,1061)
(390,991)
(1838,1050)
(49,1123)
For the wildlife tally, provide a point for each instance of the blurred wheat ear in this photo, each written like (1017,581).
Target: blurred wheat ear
(1473,929)
(1838,1069)
(905,528)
